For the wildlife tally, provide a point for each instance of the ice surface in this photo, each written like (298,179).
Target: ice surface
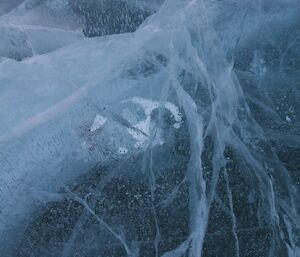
(21,42)
(36,27)
(46,13)
(181,138)
(14,43)
(145,125)
(98,123)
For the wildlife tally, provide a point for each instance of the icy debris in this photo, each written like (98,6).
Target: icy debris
(140,137)
(149,106)
(176,125)
(174,110)
(287,118)
(123,150)
(98,123)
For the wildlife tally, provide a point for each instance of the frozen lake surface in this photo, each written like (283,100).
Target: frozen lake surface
(150,128)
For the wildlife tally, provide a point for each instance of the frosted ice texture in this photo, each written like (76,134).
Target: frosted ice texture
(178,139)
(14,43)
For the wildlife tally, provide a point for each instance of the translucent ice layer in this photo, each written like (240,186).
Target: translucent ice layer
(178,138)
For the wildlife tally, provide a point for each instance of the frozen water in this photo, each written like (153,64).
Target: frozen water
(21,42)
(14,43)
(177,135)
(99,121)
(45,13)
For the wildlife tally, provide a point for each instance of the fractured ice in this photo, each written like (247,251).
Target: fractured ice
(150,128)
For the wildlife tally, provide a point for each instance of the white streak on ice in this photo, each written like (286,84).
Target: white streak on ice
(98,123)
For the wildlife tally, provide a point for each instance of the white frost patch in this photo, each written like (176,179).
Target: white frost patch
(175,111)
(144,125)
(123,150)
(139,136)
(149,106)
(176,125)
(99,121)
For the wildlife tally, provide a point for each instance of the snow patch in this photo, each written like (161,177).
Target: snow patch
(98,123)
(123,150)
(149,106)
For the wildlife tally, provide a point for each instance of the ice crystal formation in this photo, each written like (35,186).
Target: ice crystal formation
(150,128)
